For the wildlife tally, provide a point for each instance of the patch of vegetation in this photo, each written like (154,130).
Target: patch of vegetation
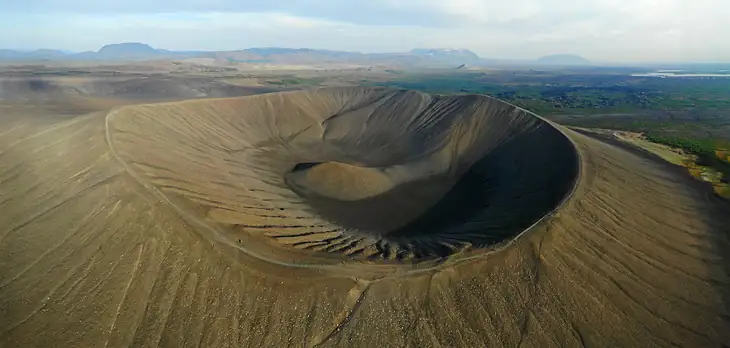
(711,162)
(704,147)
(584,91)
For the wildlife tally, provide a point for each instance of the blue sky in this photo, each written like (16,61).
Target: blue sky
(601,30)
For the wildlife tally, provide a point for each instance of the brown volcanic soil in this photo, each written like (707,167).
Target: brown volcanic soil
(217,223)
(77,91)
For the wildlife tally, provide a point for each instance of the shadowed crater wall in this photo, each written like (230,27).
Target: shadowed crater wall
(364,173)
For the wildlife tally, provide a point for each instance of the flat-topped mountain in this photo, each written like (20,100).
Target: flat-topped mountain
(129,49)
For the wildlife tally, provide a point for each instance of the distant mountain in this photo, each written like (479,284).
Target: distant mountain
(279,55)
(10,54)
(272,55)
(121,51)
(43,54)
(563,59)
(49,53)
(129,50)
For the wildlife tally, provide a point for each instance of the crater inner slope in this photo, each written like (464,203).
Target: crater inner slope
(364,173)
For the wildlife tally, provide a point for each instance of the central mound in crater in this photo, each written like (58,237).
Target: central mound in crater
(361,173)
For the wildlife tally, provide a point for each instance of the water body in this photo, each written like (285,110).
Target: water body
(676,73)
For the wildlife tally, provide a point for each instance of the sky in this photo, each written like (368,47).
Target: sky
(600,30)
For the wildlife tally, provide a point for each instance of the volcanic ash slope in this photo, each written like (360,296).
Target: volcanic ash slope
(350,217)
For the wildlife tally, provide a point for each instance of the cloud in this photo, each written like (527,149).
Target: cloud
(601,30)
